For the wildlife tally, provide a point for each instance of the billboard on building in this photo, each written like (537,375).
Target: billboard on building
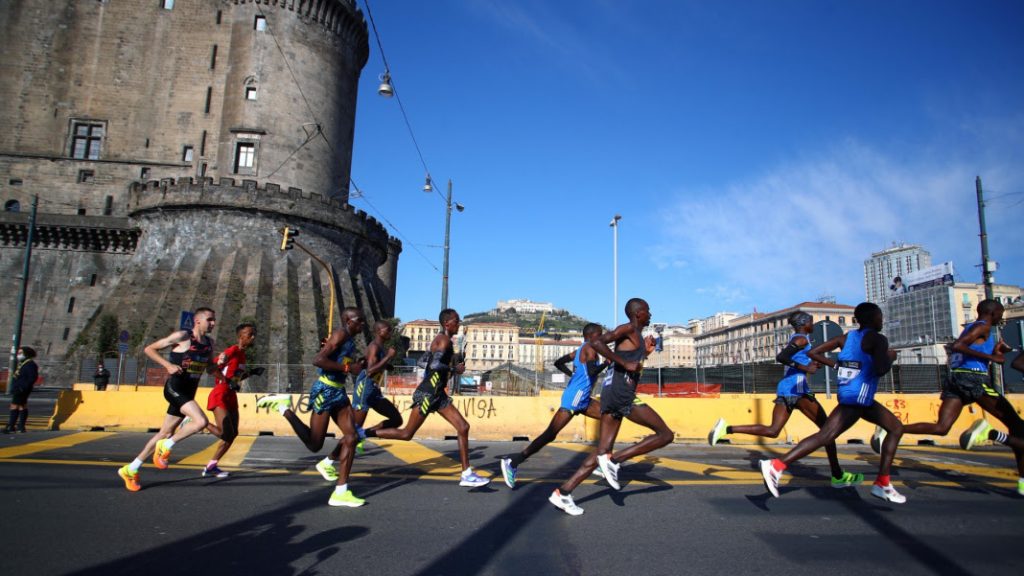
(939,275)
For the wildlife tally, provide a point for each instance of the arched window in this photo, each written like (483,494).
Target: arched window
(12,206)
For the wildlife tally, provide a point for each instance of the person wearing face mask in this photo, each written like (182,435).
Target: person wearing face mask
(25,375)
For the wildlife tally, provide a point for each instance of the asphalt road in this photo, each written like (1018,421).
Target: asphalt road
(686,509)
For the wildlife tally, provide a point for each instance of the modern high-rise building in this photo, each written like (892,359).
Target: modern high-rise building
(881,270)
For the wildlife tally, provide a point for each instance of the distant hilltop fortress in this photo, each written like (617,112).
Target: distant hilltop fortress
(167,143)
(522,305)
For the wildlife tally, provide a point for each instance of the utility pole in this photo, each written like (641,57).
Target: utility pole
(986,264)
(19,315)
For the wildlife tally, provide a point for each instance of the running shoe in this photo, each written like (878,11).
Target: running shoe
(1020,486)
(717,432)
(597,472)
(359,448)
(214,471)
(877,438)
(131,479)
(977,433)
(346,498)
(565,503)
(161,455)
(610,470)
(328,470)
(508,472)
(275,402)
(847,479)
(771,477)
(888,493)
(473,480)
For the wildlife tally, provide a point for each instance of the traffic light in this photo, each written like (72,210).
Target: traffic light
(288,235)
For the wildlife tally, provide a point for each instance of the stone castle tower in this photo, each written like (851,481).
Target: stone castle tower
(168,142)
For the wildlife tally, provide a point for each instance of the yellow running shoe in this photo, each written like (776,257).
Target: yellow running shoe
(347,498)
(161,455)
(131,479)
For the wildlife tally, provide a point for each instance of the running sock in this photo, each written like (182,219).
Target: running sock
(467,471)
(135,465)
(882,480)
(370,433)
(23,418)
(341,488)
(779,465)
(211,464)
(330,461)
(998,436)
(360,432)
(169,443)
(517,459)
(281,409)
(728,429)
(14,419)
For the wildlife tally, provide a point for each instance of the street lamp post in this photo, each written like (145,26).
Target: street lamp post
(615,269)
(428,188)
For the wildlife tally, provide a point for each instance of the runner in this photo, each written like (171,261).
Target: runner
(191,352)
(865,357)
(794,392)
(969,382)
(430,396)
(366,395)
(618,400)
(328,401)
(223,399)
(576,399)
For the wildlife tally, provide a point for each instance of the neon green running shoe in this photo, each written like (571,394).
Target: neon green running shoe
(1020,486)
(275,402)
(327,469)
(847,479)
(346,498)
(977,433)
(717,432)
(359,448)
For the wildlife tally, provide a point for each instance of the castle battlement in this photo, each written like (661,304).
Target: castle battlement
(340,17)
(289,203)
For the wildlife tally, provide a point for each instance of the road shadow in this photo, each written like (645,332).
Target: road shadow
(267,543)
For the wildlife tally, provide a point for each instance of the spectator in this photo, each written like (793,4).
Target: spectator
(102,377)
(25,376)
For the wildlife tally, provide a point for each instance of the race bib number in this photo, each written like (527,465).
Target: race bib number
(847,374)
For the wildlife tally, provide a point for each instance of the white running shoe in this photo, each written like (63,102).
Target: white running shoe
(975,434)
(771,477)
(565,503)
(888,493)
(472,479)
(877,438)
(610,470)
(717,432)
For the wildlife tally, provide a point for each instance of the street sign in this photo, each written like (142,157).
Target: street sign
(122,348)
(123,337)
(188,320)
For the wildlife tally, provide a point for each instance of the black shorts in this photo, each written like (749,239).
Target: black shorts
(427,402)
(178,391)
(968,386)
(618,397)
(790,402)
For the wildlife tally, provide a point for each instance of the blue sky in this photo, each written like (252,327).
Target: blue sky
(757,151)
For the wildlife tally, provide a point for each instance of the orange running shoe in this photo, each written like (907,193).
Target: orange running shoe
(131,479)
(161,455)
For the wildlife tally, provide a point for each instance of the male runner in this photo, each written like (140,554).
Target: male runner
(223,399)
(190,357)
(430,396)
(575,399)
(969,382)
(366,395)
(328,401)
(792,392)
(618,400)
(865,357)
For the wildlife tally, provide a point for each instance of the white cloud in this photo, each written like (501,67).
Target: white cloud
(807,227)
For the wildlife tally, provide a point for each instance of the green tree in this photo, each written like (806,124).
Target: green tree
(106,337)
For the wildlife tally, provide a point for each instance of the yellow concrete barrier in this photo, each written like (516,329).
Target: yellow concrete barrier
(503,418)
